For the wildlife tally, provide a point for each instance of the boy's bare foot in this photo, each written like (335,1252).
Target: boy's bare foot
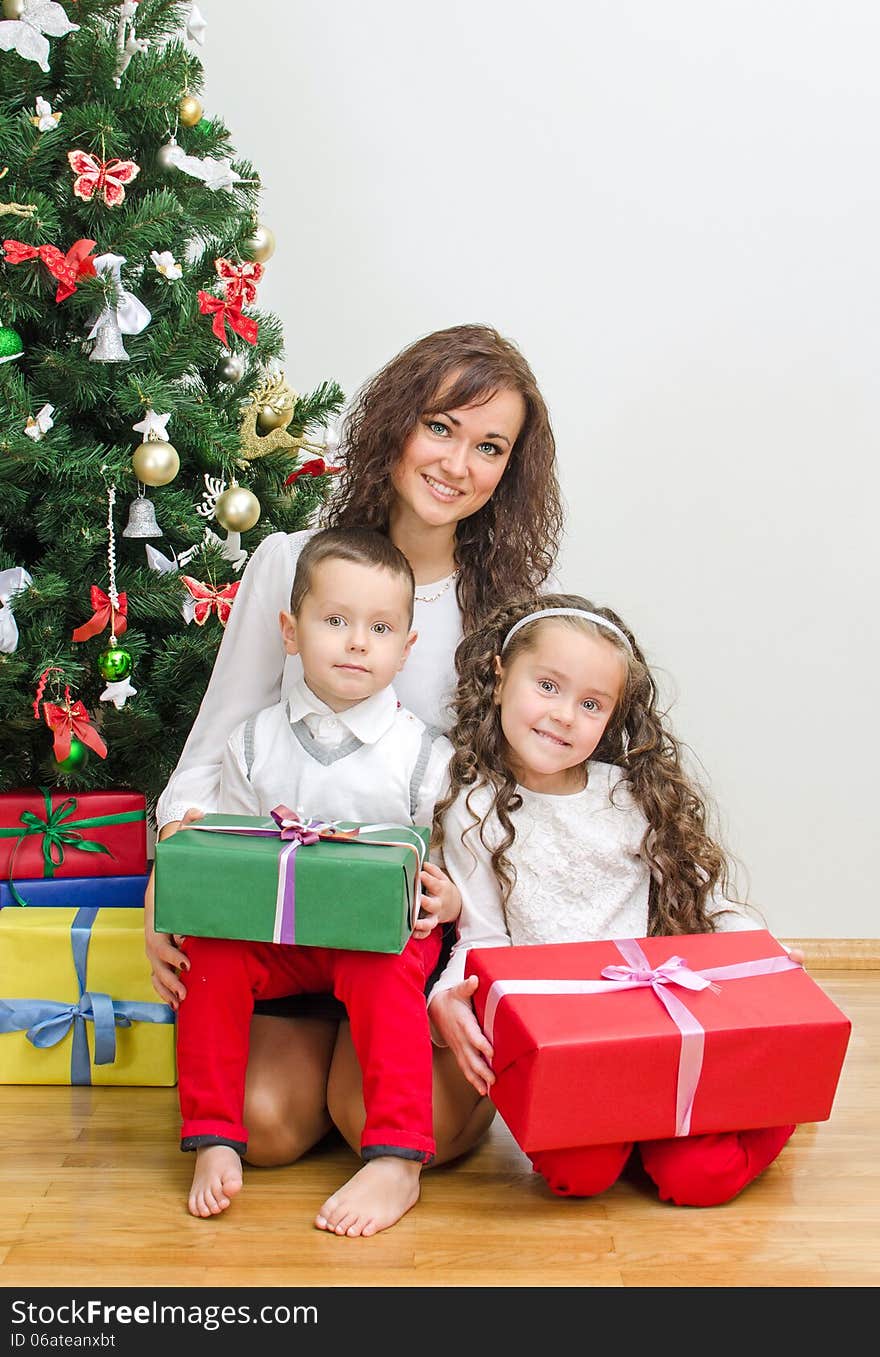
(375,1198)
(216,1180)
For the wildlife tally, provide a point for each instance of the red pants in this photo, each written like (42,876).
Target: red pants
(689,1170)
(385,999)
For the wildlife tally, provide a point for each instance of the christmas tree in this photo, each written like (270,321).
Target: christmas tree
(148,437)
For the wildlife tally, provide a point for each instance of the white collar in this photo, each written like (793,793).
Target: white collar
(368,721)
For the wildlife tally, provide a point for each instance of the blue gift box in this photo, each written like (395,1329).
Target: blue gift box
(77,892)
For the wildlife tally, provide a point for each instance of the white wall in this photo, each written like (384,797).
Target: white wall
(673,209)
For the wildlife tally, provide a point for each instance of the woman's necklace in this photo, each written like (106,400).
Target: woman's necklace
(429,598)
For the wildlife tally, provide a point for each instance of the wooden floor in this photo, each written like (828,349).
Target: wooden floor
(95,1174)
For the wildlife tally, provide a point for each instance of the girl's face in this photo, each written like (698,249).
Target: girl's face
(556,698)
(453,459)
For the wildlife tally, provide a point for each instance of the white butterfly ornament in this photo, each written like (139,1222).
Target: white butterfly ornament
(26,35)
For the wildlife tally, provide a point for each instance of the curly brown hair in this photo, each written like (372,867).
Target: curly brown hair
(685,861)
(509,545)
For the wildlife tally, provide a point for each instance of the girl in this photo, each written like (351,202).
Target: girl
(570,817)
(448,450)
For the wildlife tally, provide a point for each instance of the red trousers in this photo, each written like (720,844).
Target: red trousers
(385,999)
(689,1170)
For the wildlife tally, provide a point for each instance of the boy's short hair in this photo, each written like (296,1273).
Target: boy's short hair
(363,546)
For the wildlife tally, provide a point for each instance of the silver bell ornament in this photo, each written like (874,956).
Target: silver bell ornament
(108,346)
(237,509)
(142,519)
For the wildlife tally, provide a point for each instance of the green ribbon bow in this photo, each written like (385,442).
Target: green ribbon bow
(59,831)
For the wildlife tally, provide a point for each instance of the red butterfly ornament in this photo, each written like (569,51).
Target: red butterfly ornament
(209,599)
(105,177)
(240,279)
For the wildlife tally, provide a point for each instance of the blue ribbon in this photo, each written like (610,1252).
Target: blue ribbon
(47,1021)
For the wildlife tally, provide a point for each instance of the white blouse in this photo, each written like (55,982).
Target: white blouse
(580,875)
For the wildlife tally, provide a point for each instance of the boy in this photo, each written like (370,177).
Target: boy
(342,748)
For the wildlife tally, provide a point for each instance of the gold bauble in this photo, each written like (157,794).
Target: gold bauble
(190,110)
(155,462)
(237,509)
(13,9)
(260,244)
(274,416)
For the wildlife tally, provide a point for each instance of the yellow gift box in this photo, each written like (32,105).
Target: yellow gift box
(76,1002)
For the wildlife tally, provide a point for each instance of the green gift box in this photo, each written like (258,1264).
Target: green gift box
(274,880)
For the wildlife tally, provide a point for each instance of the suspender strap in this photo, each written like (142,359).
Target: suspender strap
(429,735)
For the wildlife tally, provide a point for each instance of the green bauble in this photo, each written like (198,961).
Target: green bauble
(11,345)
(75,760)
(114,664)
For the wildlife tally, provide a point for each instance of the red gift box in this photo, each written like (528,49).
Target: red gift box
(593,1068)
(50,832)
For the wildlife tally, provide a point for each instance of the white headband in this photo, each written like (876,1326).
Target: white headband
(567,612)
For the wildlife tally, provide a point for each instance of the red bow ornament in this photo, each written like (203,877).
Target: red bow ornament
(315,467)
(227,313)
(105,177)
(67,268)
(69,721)
(207,599)
(240,279)
(104,611)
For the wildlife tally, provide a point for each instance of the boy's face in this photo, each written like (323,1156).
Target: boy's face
(352,631)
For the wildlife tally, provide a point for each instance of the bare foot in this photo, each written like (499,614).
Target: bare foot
(375,1198)
(216,1180)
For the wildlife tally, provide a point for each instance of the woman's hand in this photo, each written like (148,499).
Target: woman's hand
(456,1024)
(441,901)
(163,953)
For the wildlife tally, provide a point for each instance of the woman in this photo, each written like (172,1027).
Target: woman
(448,449)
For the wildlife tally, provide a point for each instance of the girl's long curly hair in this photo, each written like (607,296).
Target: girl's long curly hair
(509,545)
(685,862)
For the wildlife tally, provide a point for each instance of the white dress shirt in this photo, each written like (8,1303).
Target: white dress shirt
(374,762)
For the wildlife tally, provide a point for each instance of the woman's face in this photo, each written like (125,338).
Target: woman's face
(453,459)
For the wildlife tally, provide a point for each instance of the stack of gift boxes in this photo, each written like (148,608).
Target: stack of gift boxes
(76,1002)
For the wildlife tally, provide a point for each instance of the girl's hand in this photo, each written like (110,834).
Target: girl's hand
(164,955)
(456,1023)
(441,901)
